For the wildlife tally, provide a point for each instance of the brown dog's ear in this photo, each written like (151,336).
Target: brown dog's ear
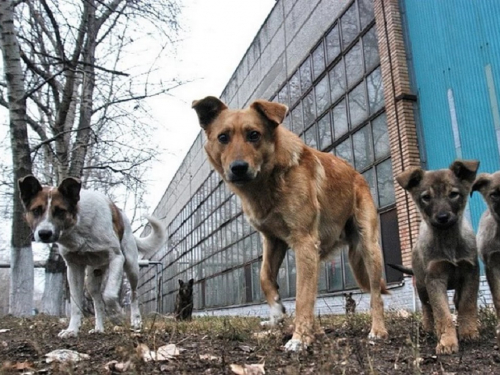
(410,178)
(29,186)
(482,181)
(70,189)
(274,112)
(465,169)
(208,109)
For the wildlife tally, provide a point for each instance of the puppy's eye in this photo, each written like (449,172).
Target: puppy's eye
(495,195)
(426,197)
(37,211)
(223,138)
(454,195)
(253,136)
(59,212)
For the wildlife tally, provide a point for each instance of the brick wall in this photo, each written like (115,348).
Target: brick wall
(399,101)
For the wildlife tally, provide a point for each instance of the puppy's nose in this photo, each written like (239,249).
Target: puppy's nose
(443,217)
(45,235)
(239,168)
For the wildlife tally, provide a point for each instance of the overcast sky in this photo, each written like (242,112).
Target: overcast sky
(216,36)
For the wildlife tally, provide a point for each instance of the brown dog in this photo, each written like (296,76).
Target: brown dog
(445,255)
(297,197)
(488,235)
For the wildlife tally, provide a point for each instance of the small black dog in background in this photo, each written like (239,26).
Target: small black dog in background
(350,304)
(184,301)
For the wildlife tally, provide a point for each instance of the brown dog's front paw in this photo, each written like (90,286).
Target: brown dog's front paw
(378,333)
(470,334)
(447,345)
(299,341)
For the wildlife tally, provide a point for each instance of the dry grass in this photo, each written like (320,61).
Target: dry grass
(209,345)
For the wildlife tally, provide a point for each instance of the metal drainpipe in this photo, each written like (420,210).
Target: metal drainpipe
(159,268)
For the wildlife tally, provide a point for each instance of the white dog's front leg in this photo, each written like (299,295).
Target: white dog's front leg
(94,279)
(112,288)
(76,276)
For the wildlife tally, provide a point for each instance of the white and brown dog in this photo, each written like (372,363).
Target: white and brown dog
(96,241)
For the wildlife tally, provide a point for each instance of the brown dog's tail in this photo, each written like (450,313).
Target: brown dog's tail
(383,287)
(360,273)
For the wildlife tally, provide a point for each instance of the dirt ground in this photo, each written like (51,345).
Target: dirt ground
(212,345)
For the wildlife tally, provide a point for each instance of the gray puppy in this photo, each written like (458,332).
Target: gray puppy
(445,255)
(488,234)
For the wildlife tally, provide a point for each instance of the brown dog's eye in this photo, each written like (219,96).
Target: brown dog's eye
(223,138)
(37,211)
(454,195)
(253,136)
(495,195)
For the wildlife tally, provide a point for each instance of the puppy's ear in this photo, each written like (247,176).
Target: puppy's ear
(181,283)
(481,183)
(29,186)
(465,170)
(410,178)
(70,189)
(274,112)
(190,282)
(208,109)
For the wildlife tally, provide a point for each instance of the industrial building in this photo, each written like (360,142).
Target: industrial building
(384,84)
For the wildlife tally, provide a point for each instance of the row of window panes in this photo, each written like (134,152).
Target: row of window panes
(362,101)
(357,62)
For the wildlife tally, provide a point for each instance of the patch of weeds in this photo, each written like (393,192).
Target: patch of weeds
(488,321)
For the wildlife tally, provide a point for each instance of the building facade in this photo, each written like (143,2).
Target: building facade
(384,84)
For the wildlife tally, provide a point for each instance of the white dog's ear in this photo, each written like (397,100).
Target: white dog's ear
(410,178)
(465,170)
(481,183)
(70,189)
(208,109)
(274,112)
(29,186)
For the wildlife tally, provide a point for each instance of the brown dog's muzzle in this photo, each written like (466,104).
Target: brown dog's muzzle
(240,172)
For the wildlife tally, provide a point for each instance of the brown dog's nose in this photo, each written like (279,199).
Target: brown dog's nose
(239,168)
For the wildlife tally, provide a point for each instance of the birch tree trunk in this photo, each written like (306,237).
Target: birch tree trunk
(22,270)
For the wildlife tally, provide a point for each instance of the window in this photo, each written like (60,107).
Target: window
(337,105)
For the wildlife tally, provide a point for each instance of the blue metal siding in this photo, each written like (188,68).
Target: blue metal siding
(455,49)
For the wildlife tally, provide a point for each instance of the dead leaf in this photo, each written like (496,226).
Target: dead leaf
(65,355)
(263,334)
(209,357)
(256,369)
(246,348)
(164,353)
(167,352)
(19,366)
(115,366)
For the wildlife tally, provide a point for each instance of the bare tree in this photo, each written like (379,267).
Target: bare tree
(22,271)
(86,93)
